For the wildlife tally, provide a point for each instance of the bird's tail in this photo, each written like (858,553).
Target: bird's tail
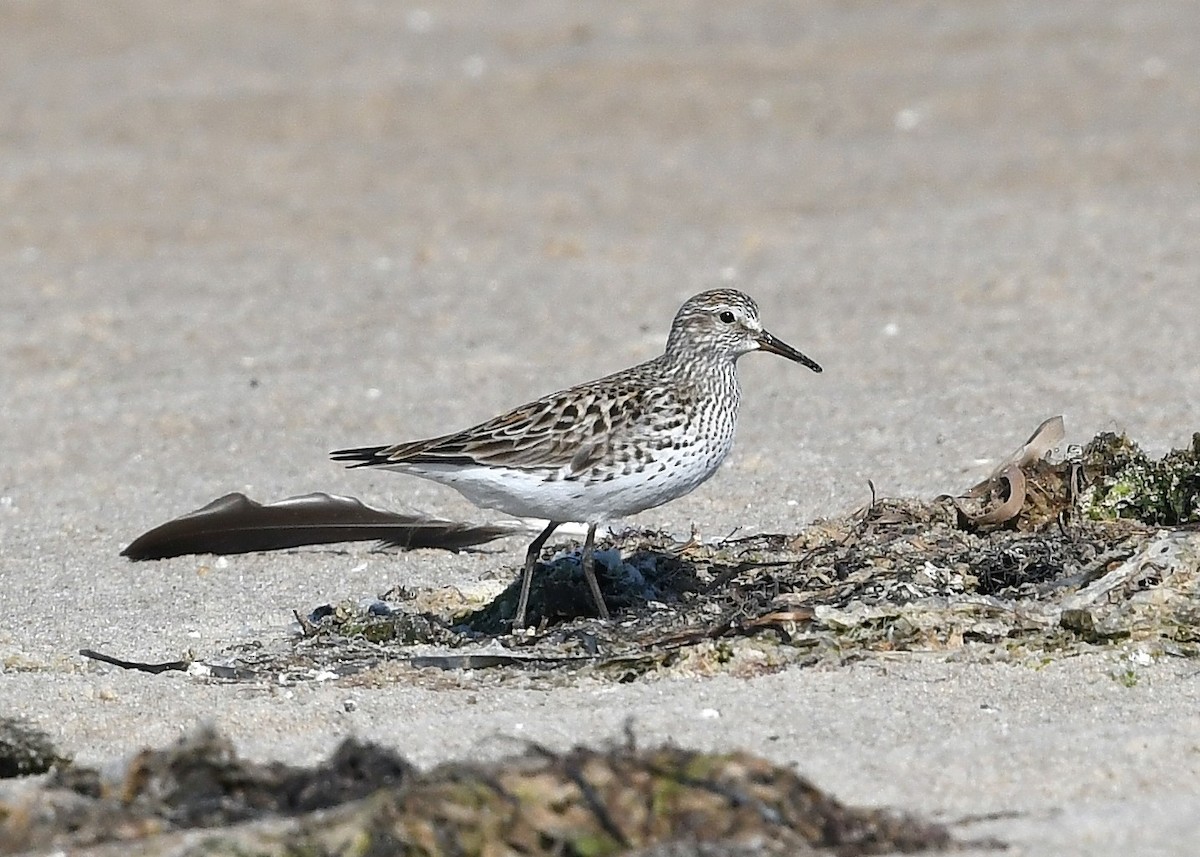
(363,456)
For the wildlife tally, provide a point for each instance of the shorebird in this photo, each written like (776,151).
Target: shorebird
(607,448)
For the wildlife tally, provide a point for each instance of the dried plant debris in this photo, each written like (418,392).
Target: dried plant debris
(1009,497)
(583,802)
(25,750)
(1049,555)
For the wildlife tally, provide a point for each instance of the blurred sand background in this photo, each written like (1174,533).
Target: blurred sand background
(236,236)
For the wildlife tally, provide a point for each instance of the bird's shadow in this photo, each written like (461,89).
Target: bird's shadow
(559,592)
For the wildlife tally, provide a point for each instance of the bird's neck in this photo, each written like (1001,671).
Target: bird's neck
(709,374)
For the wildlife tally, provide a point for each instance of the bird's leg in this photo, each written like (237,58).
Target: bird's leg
(589,571)
(531,558)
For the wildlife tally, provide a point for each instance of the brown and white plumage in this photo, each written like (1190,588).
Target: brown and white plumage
(608,448)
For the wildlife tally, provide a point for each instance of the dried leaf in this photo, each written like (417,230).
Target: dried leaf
(1010,508)
(1047,436)
(1008,480)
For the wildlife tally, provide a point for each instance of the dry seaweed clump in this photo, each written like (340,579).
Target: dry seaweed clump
(1123,482)
(1049,555)
(586,803)
(25,750)
(199,782)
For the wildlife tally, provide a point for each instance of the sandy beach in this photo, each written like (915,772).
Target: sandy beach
(236,238)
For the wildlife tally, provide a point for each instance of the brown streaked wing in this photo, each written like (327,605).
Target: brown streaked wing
(564,429)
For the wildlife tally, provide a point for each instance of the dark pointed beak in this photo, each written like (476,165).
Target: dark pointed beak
(767,342)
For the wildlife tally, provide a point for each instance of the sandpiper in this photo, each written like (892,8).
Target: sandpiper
(608,448)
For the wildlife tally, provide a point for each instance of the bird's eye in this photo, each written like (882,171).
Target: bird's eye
(726,317)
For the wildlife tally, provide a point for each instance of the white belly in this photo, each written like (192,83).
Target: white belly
(536,494)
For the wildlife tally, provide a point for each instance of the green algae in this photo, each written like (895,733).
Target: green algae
(1125,483)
